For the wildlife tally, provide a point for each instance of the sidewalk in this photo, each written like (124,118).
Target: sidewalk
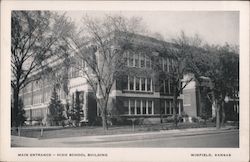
(75,141)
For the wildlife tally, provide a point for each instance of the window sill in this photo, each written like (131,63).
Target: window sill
(166,94)
(136,92)
(139,67)
(37,104)
(140,115)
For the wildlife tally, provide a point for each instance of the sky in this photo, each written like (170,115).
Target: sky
(214,27)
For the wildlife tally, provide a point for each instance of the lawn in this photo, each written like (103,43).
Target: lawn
(61,132)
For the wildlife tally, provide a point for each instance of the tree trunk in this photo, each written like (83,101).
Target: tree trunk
(217,115)
(104,122)
(223,115)
(200,113)
(103,108)
(217,110)
(175,109)
(15,107)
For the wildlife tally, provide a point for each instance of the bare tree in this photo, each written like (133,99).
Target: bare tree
(181,53)
(35,37)
(102,49)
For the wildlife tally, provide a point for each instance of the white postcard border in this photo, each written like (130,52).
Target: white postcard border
(125,154)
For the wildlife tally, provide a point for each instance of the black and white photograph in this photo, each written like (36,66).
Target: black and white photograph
(111,79)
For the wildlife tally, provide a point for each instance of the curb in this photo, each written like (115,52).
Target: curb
(142,137)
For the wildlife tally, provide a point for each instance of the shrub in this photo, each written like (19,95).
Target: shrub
(212,119)
(180,118)
(55,109)
(139,121)
(37,118)
(201,120)
(194,119)
(169,119)
(97,121)
(119,120)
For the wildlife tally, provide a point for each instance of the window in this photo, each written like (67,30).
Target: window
(149,80)
(163,64)
(81,97)
(177,110)
(136,57)
(126,55)
(167,84)
(148,62)
(142,60)
(37,98)
(47,95)
(131,60)
(171,107)
(163,107)
(144,108)
(138,107)
(171,87)
(171,64)
(126,60)
(166,64)
(162,86)
(137,84)
(81,64)
(125,105)
(131,83)
(36,113)
(150,107)
(132,106)
(125,83)
(143,84)
(137,60)
(74,73)
(58,93)
(167,107)
(160,63)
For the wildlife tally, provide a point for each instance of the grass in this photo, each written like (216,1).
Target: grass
(98,130)
(60,132)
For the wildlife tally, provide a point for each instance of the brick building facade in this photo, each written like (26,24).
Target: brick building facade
(141,94)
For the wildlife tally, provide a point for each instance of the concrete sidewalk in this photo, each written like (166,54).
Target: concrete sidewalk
(75,141)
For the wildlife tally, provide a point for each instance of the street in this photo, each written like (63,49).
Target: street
(175,138)
(225,139)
